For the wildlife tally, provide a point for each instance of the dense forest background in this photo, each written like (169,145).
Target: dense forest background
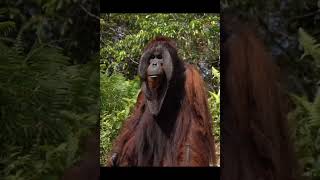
(49,85)
(291,30)
(123,37)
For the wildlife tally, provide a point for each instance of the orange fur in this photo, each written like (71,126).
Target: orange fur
(193,128)
(256,143)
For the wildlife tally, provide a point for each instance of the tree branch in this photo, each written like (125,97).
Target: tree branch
(89,13)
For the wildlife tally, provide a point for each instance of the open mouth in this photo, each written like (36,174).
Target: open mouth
(153,76)
(154,81)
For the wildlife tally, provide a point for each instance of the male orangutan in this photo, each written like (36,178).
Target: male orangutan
(255,140)
(171,123)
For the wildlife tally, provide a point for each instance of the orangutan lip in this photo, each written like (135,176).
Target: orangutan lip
(153,76)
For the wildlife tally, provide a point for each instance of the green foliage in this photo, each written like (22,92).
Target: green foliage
(6,27)
(310,45)
(47,106)
(118,96)
(305,118)
(48,103)
(214,104)
(60,22)
(124,36)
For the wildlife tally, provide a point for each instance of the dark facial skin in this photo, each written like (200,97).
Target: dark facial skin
(155,70)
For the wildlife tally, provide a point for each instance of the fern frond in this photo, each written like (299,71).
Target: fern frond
(6,27)
(303,102)
(315,113)
(19,45)
(310,45)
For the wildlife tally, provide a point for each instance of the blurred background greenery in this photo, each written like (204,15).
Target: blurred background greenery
(49,85)
(291,30)
(123,37)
